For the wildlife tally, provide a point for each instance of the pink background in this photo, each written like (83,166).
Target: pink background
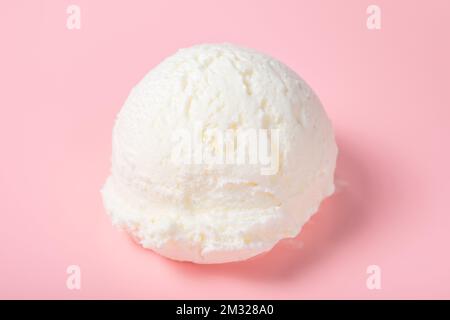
(386,91)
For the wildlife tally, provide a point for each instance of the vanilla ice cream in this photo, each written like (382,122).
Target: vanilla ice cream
(218,212)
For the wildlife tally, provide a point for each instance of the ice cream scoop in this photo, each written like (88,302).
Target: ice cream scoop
(218,153)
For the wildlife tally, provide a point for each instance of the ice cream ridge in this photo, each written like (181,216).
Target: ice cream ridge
(218,153)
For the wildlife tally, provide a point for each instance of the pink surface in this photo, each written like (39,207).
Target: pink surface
(386,91)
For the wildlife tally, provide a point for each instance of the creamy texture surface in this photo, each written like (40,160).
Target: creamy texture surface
(217,213)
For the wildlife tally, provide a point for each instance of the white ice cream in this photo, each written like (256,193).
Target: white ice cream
(218,213)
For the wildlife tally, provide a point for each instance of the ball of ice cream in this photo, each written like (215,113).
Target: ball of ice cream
(218,153)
